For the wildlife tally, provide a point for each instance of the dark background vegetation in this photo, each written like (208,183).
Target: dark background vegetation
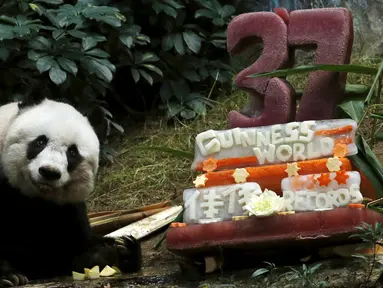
(116,59)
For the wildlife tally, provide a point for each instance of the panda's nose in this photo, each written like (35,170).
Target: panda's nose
(49,173)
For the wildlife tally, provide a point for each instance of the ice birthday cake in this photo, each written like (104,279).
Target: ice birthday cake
(293,167)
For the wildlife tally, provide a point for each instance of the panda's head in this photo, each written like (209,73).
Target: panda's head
(51,151)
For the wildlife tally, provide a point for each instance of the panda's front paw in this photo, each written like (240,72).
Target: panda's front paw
(124,252)
(13,279)
(9,277)
(129,254)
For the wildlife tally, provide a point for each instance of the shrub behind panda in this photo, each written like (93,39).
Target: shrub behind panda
(49,161)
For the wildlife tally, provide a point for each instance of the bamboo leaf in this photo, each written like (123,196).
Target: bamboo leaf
(379,136)
(259,272)
(365,149)
(349,68)
(374,84)
(376,116)
(360,162)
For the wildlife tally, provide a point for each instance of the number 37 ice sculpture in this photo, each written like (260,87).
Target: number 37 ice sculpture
(328,31)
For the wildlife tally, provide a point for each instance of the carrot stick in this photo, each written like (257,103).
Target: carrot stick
(335,131)
(232,162)
(270,176)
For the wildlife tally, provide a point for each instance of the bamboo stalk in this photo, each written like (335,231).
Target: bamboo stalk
(149,224)
(115,223)
(98,214)
(106,214)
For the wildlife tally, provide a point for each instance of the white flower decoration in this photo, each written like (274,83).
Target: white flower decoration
(265,204)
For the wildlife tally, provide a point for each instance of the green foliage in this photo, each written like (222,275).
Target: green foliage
(175,48)
(305,275)
(57,50)
(372,236)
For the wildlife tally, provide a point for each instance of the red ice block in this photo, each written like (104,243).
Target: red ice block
(304,230)
(331,31)
(275,95)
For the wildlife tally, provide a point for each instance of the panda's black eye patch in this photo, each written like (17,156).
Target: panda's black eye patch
(74,157)
(36,146)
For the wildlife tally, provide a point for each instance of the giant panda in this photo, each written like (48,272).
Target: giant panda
(49,160)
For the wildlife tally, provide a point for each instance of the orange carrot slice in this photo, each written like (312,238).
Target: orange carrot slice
(335,131)
(177,224)
(270,176)
(356,205)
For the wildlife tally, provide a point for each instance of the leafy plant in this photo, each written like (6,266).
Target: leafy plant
(190,41)
(262,271)
(371,235)
(74,52)
(305,275)
(58,51)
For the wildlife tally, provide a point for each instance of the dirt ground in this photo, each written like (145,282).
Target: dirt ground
(160,269)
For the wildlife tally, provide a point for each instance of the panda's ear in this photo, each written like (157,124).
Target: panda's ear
(97,119)
(33,98)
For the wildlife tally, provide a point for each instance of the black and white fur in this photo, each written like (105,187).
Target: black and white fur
(49,161)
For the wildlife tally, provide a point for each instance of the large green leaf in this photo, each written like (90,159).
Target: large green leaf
(55,2)
(35,55)
(146,76)
(354,109)
(40,43)
(188,114)
(9,20)
(68,65)
(127,40)
(153,68)
(349,68)
(88,43)
(191,75)
(145,57)
(204,13)
(227,11)
(57,75)
(179,44)
(45,63)
(167,42)
(135,74)
(192,40)
(97,53)
(102,71)
(197,106)
(6,32)
(175,4)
